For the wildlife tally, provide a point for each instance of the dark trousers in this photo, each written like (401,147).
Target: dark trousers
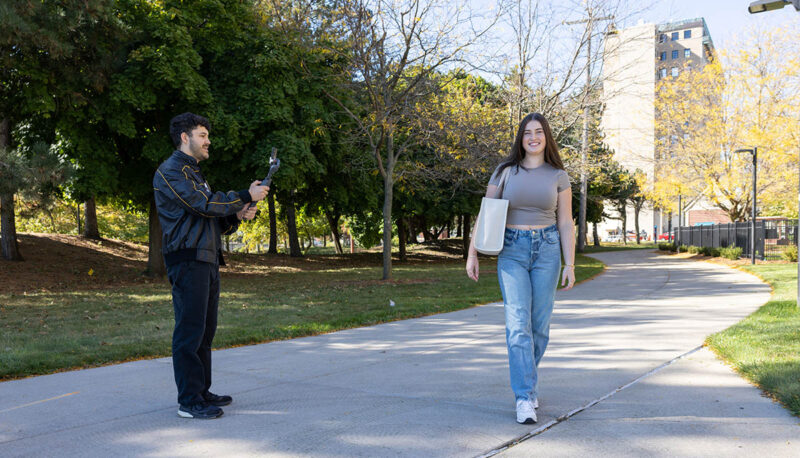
(195,299)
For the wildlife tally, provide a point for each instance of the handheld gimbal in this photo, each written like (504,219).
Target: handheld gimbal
(274,164)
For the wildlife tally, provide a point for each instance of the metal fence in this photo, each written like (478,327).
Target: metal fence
(773,237)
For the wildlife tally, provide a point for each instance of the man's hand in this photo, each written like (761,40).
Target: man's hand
(247,213)
(258,192)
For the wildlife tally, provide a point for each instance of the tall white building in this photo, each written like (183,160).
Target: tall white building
(634,60)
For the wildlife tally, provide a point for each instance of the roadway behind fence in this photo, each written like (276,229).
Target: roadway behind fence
(773,237)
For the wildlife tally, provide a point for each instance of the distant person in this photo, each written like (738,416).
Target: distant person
(539,228)
(192,219)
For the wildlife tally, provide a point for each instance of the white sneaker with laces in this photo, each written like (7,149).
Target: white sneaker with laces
(525,413)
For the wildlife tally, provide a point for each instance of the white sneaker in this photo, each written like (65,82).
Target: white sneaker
(525,413)
(536,403)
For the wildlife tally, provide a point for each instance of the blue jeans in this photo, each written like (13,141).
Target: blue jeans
(528,269)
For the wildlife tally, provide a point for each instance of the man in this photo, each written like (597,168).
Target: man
(192,219)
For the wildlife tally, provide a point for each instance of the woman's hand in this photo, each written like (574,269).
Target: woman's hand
(472,267)
(568,278)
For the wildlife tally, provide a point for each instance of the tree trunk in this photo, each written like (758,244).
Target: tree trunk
(636,209)
(8,223)
(595,235)
(427,235)
(624,215)
(388,194)
(333,222)
(8,228)
(90,229)
(458,226)
(291,227)
(273,226)
(465,230)
(155,260)
(401,235)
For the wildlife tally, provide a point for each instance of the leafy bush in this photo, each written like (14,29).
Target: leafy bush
(683,249)
(731,252)
(709,251)
(666,246)
(694,249)
(790,254)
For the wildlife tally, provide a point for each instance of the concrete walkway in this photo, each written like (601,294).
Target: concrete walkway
(438,386)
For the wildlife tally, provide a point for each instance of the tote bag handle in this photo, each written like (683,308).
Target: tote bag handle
(491,225)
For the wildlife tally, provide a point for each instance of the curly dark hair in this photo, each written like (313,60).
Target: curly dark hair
(185,122)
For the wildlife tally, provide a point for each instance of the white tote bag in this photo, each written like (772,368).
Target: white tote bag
(491,225)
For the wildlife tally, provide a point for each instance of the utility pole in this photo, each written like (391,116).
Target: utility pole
(589,21)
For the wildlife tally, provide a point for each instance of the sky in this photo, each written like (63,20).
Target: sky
(724,18)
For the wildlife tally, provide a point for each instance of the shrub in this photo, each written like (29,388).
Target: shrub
(666,246)
(683,248)
(790,254)
(709,251)
(694,249)
(731,252)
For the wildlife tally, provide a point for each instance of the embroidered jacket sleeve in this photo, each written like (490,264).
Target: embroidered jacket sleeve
(180,188)
(228,224)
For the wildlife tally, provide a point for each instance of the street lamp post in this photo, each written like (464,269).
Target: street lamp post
(754,153)
(761,6)
(680,217)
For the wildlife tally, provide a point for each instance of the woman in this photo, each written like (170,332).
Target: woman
(539,215)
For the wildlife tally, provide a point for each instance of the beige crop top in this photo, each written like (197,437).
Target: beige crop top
(532,194)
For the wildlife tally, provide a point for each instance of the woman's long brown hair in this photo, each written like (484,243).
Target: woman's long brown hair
(517,153)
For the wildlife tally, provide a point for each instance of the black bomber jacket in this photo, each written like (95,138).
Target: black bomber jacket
(192,217)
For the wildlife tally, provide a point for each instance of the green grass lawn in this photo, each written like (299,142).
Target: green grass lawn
(47,332)
(765,347)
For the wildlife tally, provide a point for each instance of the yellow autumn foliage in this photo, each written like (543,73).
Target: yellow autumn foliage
(748,96)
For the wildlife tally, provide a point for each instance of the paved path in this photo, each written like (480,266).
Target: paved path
(438,386)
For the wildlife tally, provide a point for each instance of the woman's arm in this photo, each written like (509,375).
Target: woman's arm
(566,229)
(472,253)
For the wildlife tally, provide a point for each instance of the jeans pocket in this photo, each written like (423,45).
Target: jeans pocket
(551,237)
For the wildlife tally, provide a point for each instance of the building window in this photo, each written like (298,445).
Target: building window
(662,38)
(687,53)
(662,73)
(674,36)
(662,56)
(674,53)
(687,34)
(674,71)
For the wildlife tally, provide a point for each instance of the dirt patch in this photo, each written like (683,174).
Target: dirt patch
(720,260)
(55,262)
